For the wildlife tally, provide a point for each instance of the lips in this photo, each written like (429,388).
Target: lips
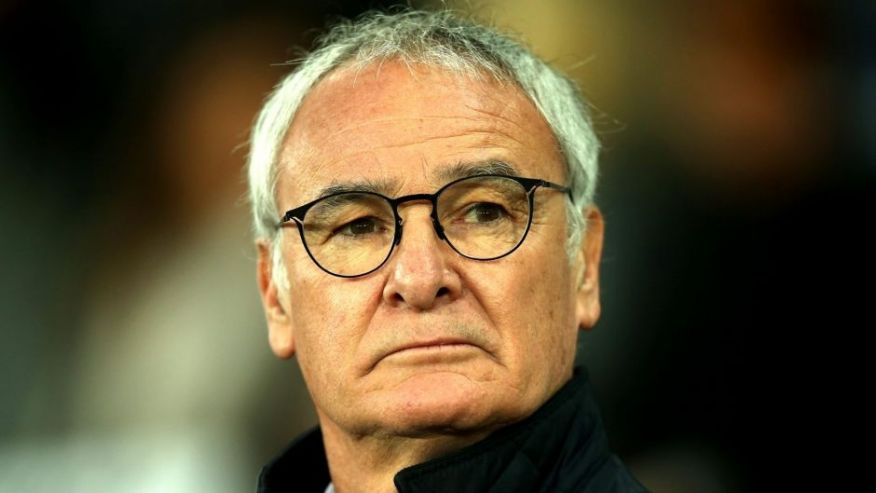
(436,344)
(426,348)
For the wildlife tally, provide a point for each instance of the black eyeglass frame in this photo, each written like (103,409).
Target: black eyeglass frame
(529,185)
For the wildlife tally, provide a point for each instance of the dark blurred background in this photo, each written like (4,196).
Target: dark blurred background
(738,163)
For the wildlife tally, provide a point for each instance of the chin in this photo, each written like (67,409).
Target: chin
(445,402)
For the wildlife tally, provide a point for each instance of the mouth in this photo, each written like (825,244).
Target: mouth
(444,344)
(436,344)
(434,351)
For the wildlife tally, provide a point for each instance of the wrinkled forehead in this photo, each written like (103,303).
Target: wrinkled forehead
(410,127)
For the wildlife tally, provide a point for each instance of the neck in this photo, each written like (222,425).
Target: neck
(369,463)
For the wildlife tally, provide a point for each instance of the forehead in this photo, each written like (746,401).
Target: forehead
(406,125)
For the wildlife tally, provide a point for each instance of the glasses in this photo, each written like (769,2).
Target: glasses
(484,217)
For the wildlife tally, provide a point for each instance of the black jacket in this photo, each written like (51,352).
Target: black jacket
(562,447)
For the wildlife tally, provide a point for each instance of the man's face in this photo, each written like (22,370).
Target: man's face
(431,341)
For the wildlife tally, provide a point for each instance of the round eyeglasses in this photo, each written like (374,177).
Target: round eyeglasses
(483,217)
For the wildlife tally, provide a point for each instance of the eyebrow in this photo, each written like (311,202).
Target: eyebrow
(380,186)
(446,174)
(466,170)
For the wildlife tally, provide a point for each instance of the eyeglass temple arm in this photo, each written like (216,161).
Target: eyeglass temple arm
(288,216)
(296,215)
(566,190)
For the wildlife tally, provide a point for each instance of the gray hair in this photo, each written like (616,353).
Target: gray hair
(440,39)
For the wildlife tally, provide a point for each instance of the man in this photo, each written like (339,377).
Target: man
(428,249)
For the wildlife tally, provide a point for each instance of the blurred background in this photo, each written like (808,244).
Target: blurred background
(738,154)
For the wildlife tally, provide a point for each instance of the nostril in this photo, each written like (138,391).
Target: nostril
(442,292)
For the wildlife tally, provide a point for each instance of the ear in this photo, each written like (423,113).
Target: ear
(280,334)
(587,303)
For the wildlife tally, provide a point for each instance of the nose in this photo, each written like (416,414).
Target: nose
(420,272)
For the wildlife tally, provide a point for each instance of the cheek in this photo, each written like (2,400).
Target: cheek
(329,315)
(329,319)
(318,304)
(529,301)
(322,315)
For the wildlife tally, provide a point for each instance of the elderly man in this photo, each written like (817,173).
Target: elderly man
(428,250)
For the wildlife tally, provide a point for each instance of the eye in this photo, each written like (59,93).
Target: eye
(359,227)
(484,212)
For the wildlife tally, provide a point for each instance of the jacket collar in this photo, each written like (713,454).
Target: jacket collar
(527,456)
